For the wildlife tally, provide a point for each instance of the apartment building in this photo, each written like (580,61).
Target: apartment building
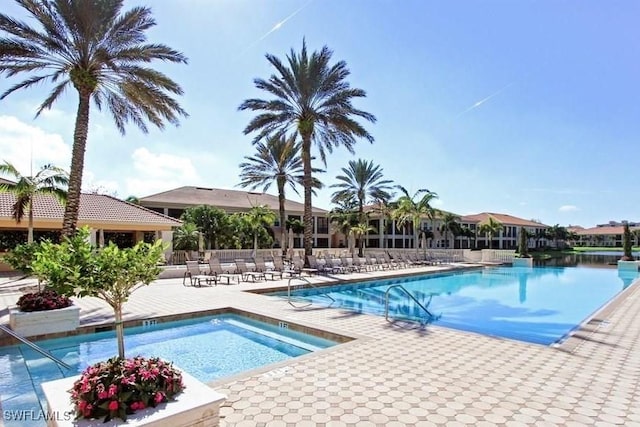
(174,202)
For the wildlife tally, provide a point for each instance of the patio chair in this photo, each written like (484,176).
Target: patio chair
(361,263)
(245,273)
(322,269)
(298,264)
(196,277)
(262,268)
(279,266)
(215,270)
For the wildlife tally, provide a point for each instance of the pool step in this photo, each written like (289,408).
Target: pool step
(274,335)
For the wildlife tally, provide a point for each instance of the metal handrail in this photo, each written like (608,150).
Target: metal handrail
(289,300)
(386,301)
(34,347)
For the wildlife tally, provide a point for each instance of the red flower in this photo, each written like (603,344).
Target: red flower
(113,405)
(159,397)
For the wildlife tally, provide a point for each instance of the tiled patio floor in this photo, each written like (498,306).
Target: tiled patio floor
(404,375)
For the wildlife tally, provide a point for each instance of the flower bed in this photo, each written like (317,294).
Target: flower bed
(197,406)
(42,301)
(119,387)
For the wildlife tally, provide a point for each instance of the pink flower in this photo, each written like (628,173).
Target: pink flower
(159,397)
(86,412)
(103,395)
(113,389)
(113,405)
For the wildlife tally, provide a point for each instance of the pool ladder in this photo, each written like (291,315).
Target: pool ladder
(303,279)
(33,346)
(410,295)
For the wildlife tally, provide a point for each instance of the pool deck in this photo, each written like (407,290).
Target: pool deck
(400,374)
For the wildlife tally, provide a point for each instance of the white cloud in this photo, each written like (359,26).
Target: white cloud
(159,172)
(19,140)
(568,208)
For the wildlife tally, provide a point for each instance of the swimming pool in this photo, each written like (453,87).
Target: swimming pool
(208,348)
(539,305)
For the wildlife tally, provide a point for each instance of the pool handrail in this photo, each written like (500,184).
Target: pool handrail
(289,300)
(34,346)
(386,302)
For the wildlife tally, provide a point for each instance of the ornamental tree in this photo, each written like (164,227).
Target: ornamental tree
(75,267)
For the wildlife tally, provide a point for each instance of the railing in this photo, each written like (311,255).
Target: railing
(498,255)
(303,279)
(31,345)
(410,295)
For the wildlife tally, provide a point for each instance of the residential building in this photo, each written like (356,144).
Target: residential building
(174,202)
(607,234)
(109,219)
(508,238)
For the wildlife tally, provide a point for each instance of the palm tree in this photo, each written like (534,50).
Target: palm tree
(449,223)
(490,228)
(411,210)
(186,237)
(276,161)
(102,52)
(256,218)
(344,217)
(384,208)
(359,231)
(362,181)
(311,98)
(49,180)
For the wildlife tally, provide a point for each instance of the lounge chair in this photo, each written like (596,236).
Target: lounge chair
(298,264)
(279,266)
(245,273)
(322,269)
(262,268)
(215,270)
(196,277)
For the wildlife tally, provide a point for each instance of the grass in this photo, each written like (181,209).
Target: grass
(601,249)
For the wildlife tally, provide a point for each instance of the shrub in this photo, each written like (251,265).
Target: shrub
(43,300)
(21,256)
(119,387)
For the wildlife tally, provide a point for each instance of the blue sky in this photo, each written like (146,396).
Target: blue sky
(522,107)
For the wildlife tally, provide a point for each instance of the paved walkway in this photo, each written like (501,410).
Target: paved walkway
(404,375)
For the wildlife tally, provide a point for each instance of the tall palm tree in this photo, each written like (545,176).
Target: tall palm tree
(311,98)
(278,160)
(362,181)
(490,229)
(49,180)
(359,232)
(449,223)
(102,52)
(412,210)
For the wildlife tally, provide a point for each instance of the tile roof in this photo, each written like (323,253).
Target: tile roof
(93,208)
(219,197)
(503,218)
(606,230)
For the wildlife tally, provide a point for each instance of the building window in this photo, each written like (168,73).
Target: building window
(322,226)
(323,242)
(175,213)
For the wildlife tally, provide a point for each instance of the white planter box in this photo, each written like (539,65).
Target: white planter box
(198,405)
(44,322)
(628,265)
(523,262)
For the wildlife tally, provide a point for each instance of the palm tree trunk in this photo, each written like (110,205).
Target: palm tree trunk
(30,229)
(307,182)
(70,219)
(283,220)
(361,221)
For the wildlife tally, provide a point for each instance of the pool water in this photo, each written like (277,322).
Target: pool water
(208,348)
(539,305)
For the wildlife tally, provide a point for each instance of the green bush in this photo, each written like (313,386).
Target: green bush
(21,257)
